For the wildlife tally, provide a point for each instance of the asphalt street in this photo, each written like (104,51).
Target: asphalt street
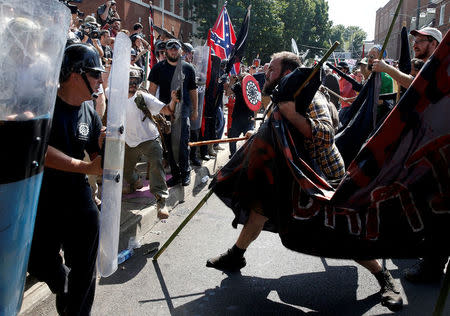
(276,281)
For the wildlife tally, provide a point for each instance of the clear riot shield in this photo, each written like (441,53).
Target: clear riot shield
(114,156)
(32,40)
(200,63)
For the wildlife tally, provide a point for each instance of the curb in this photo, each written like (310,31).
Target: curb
(138,217)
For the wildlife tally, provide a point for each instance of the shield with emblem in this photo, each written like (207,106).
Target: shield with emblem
(251,92)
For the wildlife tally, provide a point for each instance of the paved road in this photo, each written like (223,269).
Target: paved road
(276,281)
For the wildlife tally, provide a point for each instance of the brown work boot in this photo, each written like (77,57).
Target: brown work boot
(390,294)
(162,211)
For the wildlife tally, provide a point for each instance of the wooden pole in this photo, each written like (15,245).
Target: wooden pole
(386,40)
(187,219)
(216,141)
(316,68)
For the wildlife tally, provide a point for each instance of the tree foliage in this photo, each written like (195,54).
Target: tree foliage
(273,23)
(351,38)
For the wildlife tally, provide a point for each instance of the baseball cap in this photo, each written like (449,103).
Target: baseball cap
(430,31)
(342,64)
(90,19)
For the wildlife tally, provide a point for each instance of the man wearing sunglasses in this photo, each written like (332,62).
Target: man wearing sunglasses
(67,216)
(161,76)
(426,40)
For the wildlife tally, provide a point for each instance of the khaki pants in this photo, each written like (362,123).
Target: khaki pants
(152,149)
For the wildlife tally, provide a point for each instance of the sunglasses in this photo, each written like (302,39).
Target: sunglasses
(134,82)
(94,74)
(420,41)
(173,45)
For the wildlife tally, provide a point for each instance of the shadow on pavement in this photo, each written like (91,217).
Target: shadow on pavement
(133,266)
(421,297)
(298,294)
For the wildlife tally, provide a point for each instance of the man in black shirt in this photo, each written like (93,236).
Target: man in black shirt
(242,116)
(161,76)
(67,216)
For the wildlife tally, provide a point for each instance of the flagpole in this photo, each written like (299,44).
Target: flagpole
(187,219)
(386,40)
(316,68)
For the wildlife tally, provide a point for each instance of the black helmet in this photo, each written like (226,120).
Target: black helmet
(80,58)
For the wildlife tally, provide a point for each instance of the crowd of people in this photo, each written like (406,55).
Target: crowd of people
(78,130)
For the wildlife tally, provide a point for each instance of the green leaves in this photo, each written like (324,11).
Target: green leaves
(274,22)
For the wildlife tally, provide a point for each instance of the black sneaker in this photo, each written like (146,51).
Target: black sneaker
(423,273)
(205,157)
(227,262)
(173,181)
(196,162)
(390,294)
(186,180)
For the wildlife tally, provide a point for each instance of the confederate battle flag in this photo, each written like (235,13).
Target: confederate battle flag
(223,38)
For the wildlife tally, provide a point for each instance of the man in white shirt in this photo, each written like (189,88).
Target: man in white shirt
(142,138)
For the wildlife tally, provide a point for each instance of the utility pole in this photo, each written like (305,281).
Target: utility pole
(418,14)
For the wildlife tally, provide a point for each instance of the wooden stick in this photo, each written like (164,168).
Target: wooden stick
(443,293)
(216,141)
(334,93)
(316,68)
(386,40)
(187,219)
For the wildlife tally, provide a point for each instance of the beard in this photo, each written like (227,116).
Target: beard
(269,86)
(172,59)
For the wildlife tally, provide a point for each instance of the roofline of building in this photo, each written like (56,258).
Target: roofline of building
(156,8)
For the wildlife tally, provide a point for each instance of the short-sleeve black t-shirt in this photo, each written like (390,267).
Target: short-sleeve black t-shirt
(75,129)
(240,110)
(161,75)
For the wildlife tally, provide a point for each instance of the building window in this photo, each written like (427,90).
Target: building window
(442,14)
(181,4)
(172,6)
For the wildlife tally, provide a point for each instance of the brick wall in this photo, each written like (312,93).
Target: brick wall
(134,11)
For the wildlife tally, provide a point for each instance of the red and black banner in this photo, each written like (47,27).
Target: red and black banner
(394,200)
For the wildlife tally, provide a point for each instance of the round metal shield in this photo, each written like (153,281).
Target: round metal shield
(251,92)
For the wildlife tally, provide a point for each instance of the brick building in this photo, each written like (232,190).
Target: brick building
(173,15)
(433,13)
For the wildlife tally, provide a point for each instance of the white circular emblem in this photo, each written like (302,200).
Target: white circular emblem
(254,96)
(83,129)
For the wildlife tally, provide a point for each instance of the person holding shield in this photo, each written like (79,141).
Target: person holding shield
(67,217)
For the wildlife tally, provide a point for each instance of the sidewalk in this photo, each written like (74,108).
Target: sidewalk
(138,215)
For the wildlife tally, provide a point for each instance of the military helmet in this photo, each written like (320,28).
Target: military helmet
(80,58)
(136,72)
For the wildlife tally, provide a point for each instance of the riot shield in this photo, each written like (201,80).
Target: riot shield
(201,68)
(113,157)
(29,73)
(177,85)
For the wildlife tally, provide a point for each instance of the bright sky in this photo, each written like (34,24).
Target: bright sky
(360,13)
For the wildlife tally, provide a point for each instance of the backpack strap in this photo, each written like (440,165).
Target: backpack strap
(140,103)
